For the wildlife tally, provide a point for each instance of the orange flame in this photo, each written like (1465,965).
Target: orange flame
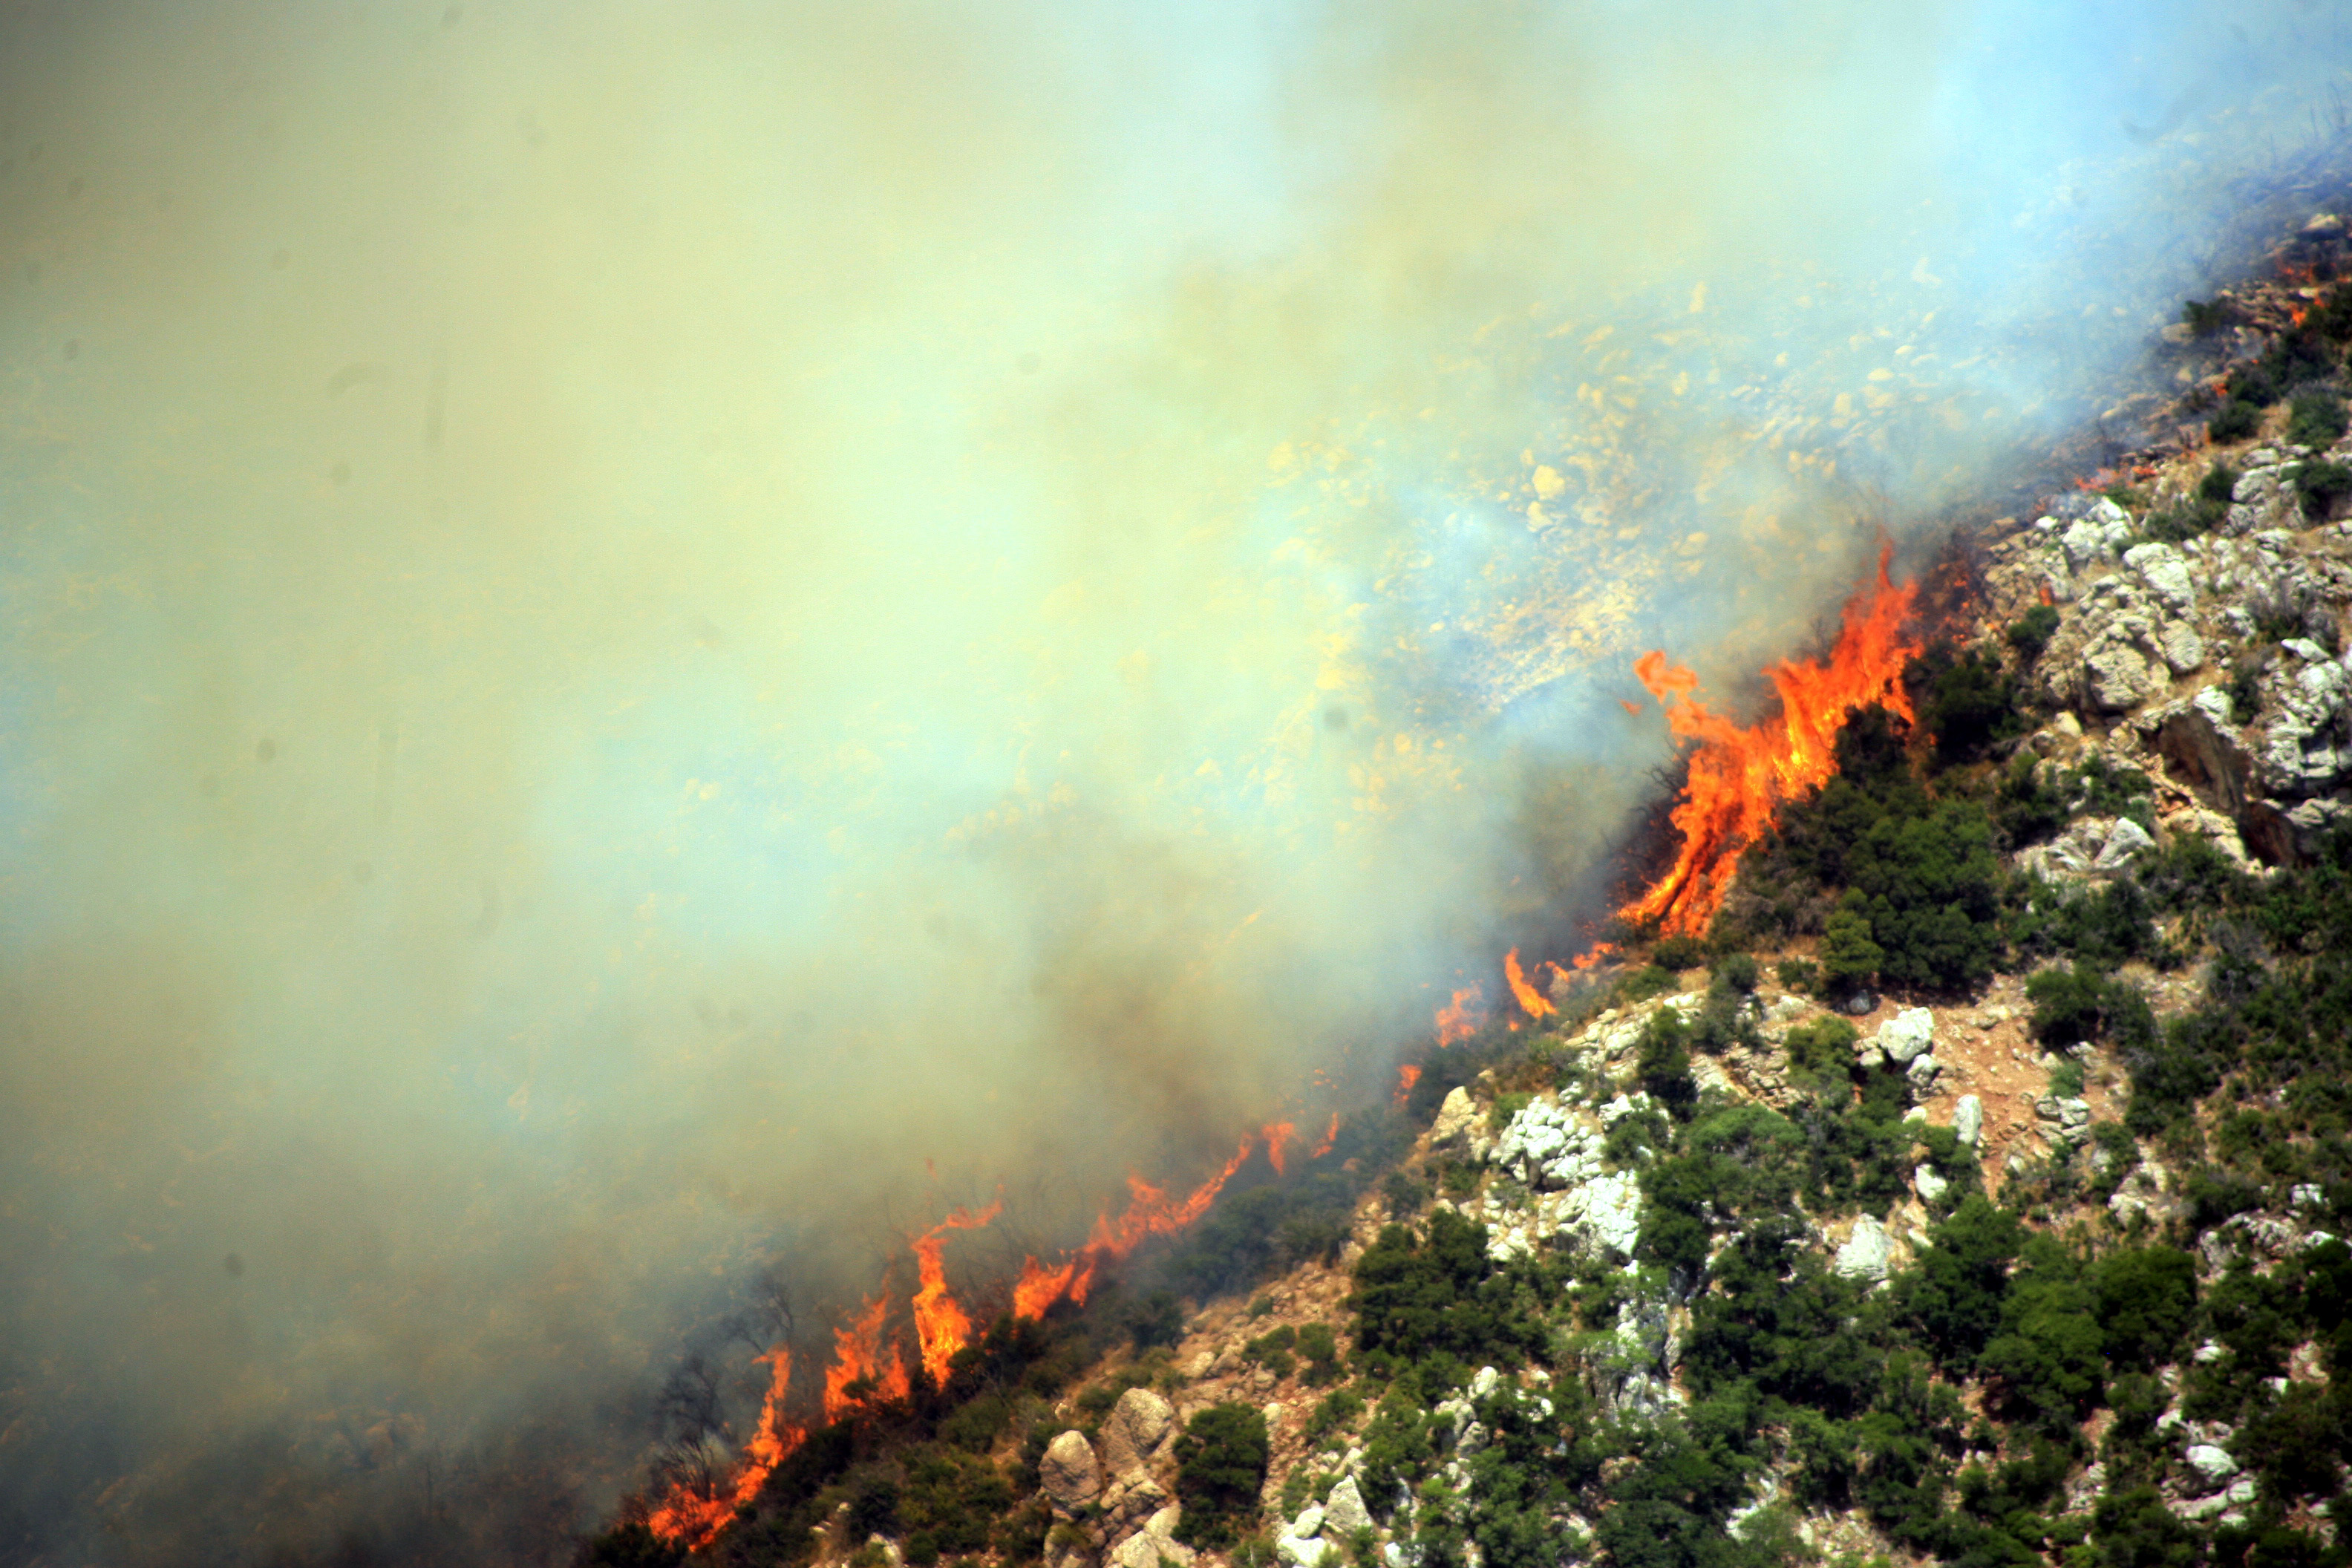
(1279,1136)
(1150,1212)
(941,1327)
(1531,999)
(691,1517)
(1740,777)
(1584,960)
(1459,1019)
(1330,1136)
(1040,1287)
(858,1356)
(1407,1076)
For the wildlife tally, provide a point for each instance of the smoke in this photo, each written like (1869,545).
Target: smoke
(641,641)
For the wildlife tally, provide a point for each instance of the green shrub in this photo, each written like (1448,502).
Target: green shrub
(1219,1469)
(2077,1005)
(1156,1319)
(2322,485)
(1678,952)
(1849,957)
(1649,980)
(1406,1195)
(1272,1350)
(1739,972)
(1662,1059)
(1954,1291)
(1320,1349)
(2204,316)
(948,1502)
(1418,1297)
(2315,419)
(1821,1050)
(1965,700)
(2233,421)
(2031,633)
(1335,1412)
(2145,1297)
(1802,975)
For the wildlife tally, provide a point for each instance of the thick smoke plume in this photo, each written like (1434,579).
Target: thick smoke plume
(643,642)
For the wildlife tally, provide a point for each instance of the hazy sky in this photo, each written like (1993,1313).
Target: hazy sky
(636,640)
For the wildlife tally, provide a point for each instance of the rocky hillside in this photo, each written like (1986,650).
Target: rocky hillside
(1970,1193)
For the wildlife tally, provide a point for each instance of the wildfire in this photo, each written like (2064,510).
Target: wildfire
(1150,1212)
(857,1359)
(1279,1136)
(691,1517)
(1407,1076)
(941,1327)
(1459,1019)
(1740,777)
(1330,1136)
(1531,1001)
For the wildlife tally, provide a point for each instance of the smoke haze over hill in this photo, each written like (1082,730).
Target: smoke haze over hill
(641,641)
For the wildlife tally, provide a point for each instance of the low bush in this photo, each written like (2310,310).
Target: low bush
(2235,420)
(2031,633)
(1221,1461)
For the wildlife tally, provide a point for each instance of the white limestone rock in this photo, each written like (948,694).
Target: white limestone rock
(1456,1115)
(2211,1464)
(1967,1120)
(1344,1513)
(1908,1034)
(2165,570)
(1931,1186)
(2126,839)
(1866,1253)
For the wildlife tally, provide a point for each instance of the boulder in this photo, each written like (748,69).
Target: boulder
(1156,1540)
(1344,1513)
(2182,650)
(1968,1120)
(1135,1428)
(1864,1255)
(2211,1464)
(1300,1552)
(2165,570)
(2125,839)
(2116,675)
(1068,1474)
(1308,1523)
(1931,1185)
(1907,1034)
(1922,1073)
(2199,743)
(1456,1115)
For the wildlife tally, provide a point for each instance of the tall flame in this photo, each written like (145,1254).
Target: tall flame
(1408,1075)
(1459,1019)
(1279,1136)
(691,1517)
(941,1327)
(1531,1001)
(1740,777)
(1330,1136)
(1150,1212)
(857,1357)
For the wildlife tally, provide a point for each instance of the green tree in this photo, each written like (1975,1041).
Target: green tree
(1219,1469)
(1849,956)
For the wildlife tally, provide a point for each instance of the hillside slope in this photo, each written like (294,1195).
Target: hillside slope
(1971,1193)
